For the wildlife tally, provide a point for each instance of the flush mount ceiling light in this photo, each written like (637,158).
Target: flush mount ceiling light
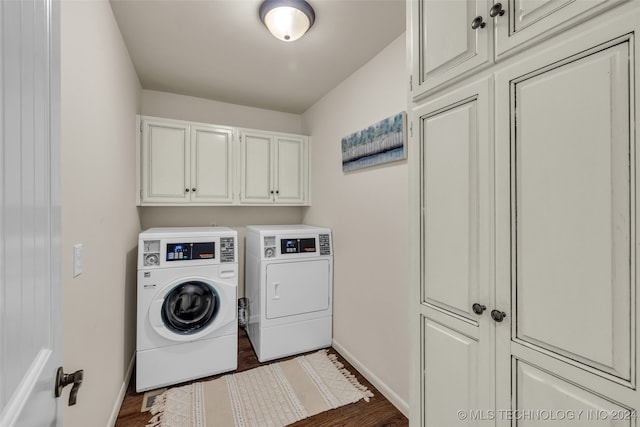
(287,20)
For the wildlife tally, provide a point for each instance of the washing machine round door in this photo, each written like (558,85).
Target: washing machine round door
(190,307)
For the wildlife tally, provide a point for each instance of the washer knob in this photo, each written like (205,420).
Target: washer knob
(151,259)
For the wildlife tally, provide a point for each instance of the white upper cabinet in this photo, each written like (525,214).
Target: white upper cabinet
(187,163)
(521,22)
(291,170)
(165,172)
(256,167)
(274,168)
(211,164)
(452,38)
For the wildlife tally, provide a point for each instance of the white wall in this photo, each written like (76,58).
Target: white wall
(181,107)
(368,211)
(100,95)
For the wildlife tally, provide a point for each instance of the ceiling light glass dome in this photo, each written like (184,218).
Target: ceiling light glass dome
(287,20)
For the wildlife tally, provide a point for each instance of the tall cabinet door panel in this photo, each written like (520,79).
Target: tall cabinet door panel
(455,376)
(572,204)
(455,186)
(211,164)
(541,396)
(446,45)
(455,286)
(526,21)
(165,162)
(255,168)
(291,156)
(566,212)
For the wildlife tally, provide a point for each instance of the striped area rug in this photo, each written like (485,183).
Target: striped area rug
(272,395)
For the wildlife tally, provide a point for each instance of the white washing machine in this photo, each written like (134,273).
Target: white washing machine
(187,304)
(289,285)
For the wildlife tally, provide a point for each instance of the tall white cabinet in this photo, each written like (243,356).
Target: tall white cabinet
(524,187)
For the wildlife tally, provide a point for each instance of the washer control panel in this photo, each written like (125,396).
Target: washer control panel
(227,249)
(157,249)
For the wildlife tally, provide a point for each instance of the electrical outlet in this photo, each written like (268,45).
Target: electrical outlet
(77,259)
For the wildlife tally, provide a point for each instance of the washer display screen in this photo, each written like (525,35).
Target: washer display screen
(189,251)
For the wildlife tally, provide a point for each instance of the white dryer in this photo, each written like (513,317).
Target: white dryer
(187,304)
(289,285)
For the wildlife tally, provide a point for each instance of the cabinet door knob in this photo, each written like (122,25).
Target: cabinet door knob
(478,22)
(478,308)
(496,10)
(193,189)
(186,190)
(498,315)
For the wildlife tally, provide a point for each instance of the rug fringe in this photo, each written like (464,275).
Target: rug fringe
(352,378)
(157,410)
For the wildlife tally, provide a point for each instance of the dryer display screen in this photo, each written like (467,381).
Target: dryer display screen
(190,251)
(296,246)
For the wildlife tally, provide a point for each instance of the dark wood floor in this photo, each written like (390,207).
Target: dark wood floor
(377,412)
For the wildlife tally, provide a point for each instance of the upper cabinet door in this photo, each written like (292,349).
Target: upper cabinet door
(450,38)
(165,162)
(256,168)
(525,21)
(211,164)
(290,169)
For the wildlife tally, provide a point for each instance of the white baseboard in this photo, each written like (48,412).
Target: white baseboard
(123,391)
(377,383)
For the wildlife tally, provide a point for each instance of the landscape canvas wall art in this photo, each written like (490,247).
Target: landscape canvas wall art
(382,142)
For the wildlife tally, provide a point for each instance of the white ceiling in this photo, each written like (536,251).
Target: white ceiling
(220,50)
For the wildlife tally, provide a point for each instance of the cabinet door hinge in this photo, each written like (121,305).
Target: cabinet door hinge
(411,129)
(410,82)
(140,126)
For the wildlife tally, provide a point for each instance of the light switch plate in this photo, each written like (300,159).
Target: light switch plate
(77,259)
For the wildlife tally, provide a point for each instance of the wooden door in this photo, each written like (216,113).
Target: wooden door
(566,218)
(290,170)
(445,44)
(211,164)
(256,168)
(456,343)
(165,162)
(30,324)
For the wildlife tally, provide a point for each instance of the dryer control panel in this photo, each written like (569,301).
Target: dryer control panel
(296,246)
(267,242)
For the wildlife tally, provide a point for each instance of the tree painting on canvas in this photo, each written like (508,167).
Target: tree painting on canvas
(380,143)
